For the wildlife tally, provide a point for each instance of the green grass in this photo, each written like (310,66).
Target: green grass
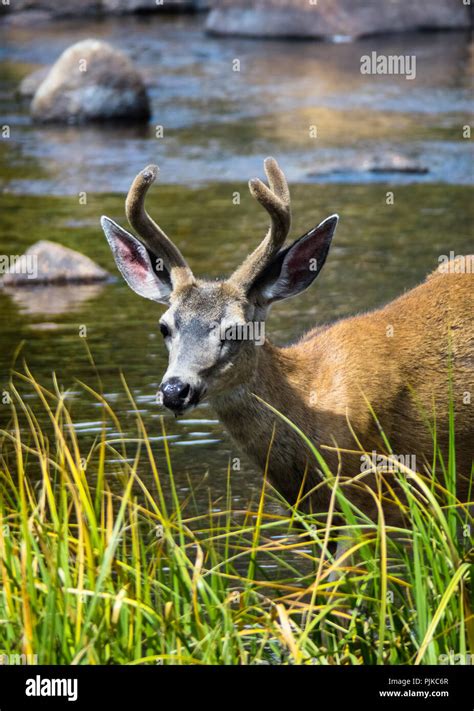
(97,568)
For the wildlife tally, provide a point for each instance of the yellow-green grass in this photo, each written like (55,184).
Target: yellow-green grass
(100,569)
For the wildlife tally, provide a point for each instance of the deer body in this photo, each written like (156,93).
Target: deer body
(319,383)
(394,360)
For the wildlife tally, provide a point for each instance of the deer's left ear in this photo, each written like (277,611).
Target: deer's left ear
(295,267)
(133,260)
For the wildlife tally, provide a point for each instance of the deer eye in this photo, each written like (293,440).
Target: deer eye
(165,332)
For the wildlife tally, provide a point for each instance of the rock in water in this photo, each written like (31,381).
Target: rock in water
(91,81)
(50,263)
(343,18)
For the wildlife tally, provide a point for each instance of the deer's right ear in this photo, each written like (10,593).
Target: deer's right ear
(133,260)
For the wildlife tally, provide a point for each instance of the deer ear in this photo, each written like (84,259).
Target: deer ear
(134,262)
(295,267)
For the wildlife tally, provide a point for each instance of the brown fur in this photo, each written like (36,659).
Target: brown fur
(320,382)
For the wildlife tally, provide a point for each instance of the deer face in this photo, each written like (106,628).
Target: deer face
(213,330)
(209,346)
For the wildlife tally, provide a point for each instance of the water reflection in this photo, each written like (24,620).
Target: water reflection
(53,300)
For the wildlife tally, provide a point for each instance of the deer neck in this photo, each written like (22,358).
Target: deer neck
(265,370)
(276,379)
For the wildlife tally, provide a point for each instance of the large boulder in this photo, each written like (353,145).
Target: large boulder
(91,81)
(47,262)
(323,19)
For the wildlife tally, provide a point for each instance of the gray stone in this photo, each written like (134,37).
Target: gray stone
(47,262)
(394,163)
(385,162)
(91,81)
(347,18)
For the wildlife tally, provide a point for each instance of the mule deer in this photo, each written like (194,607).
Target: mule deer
(324,382)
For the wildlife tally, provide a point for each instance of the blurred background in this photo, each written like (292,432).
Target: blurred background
(228,84)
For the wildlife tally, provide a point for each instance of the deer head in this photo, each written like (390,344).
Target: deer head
(212,329)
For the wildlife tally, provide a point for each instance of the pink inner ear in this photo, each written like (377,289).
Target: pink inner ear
(299,260)
(134,260)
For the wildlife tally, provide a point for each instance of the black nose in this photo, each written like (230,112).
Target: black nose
(174,393)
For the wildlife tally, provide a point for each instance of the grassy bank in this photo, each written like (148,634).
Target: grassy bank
(98,567)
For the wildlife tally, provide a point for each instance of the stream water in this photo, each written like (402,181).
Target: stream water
(218,125)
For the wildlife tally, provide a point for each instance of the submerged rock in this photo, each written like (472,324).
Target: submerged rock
(50,263)
(91,81)
(394,163)
(385,162)
(337,18)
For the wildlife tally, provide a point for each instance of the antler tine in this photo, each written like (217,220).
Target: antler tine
(276,201)
(277,180)
(149,232)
